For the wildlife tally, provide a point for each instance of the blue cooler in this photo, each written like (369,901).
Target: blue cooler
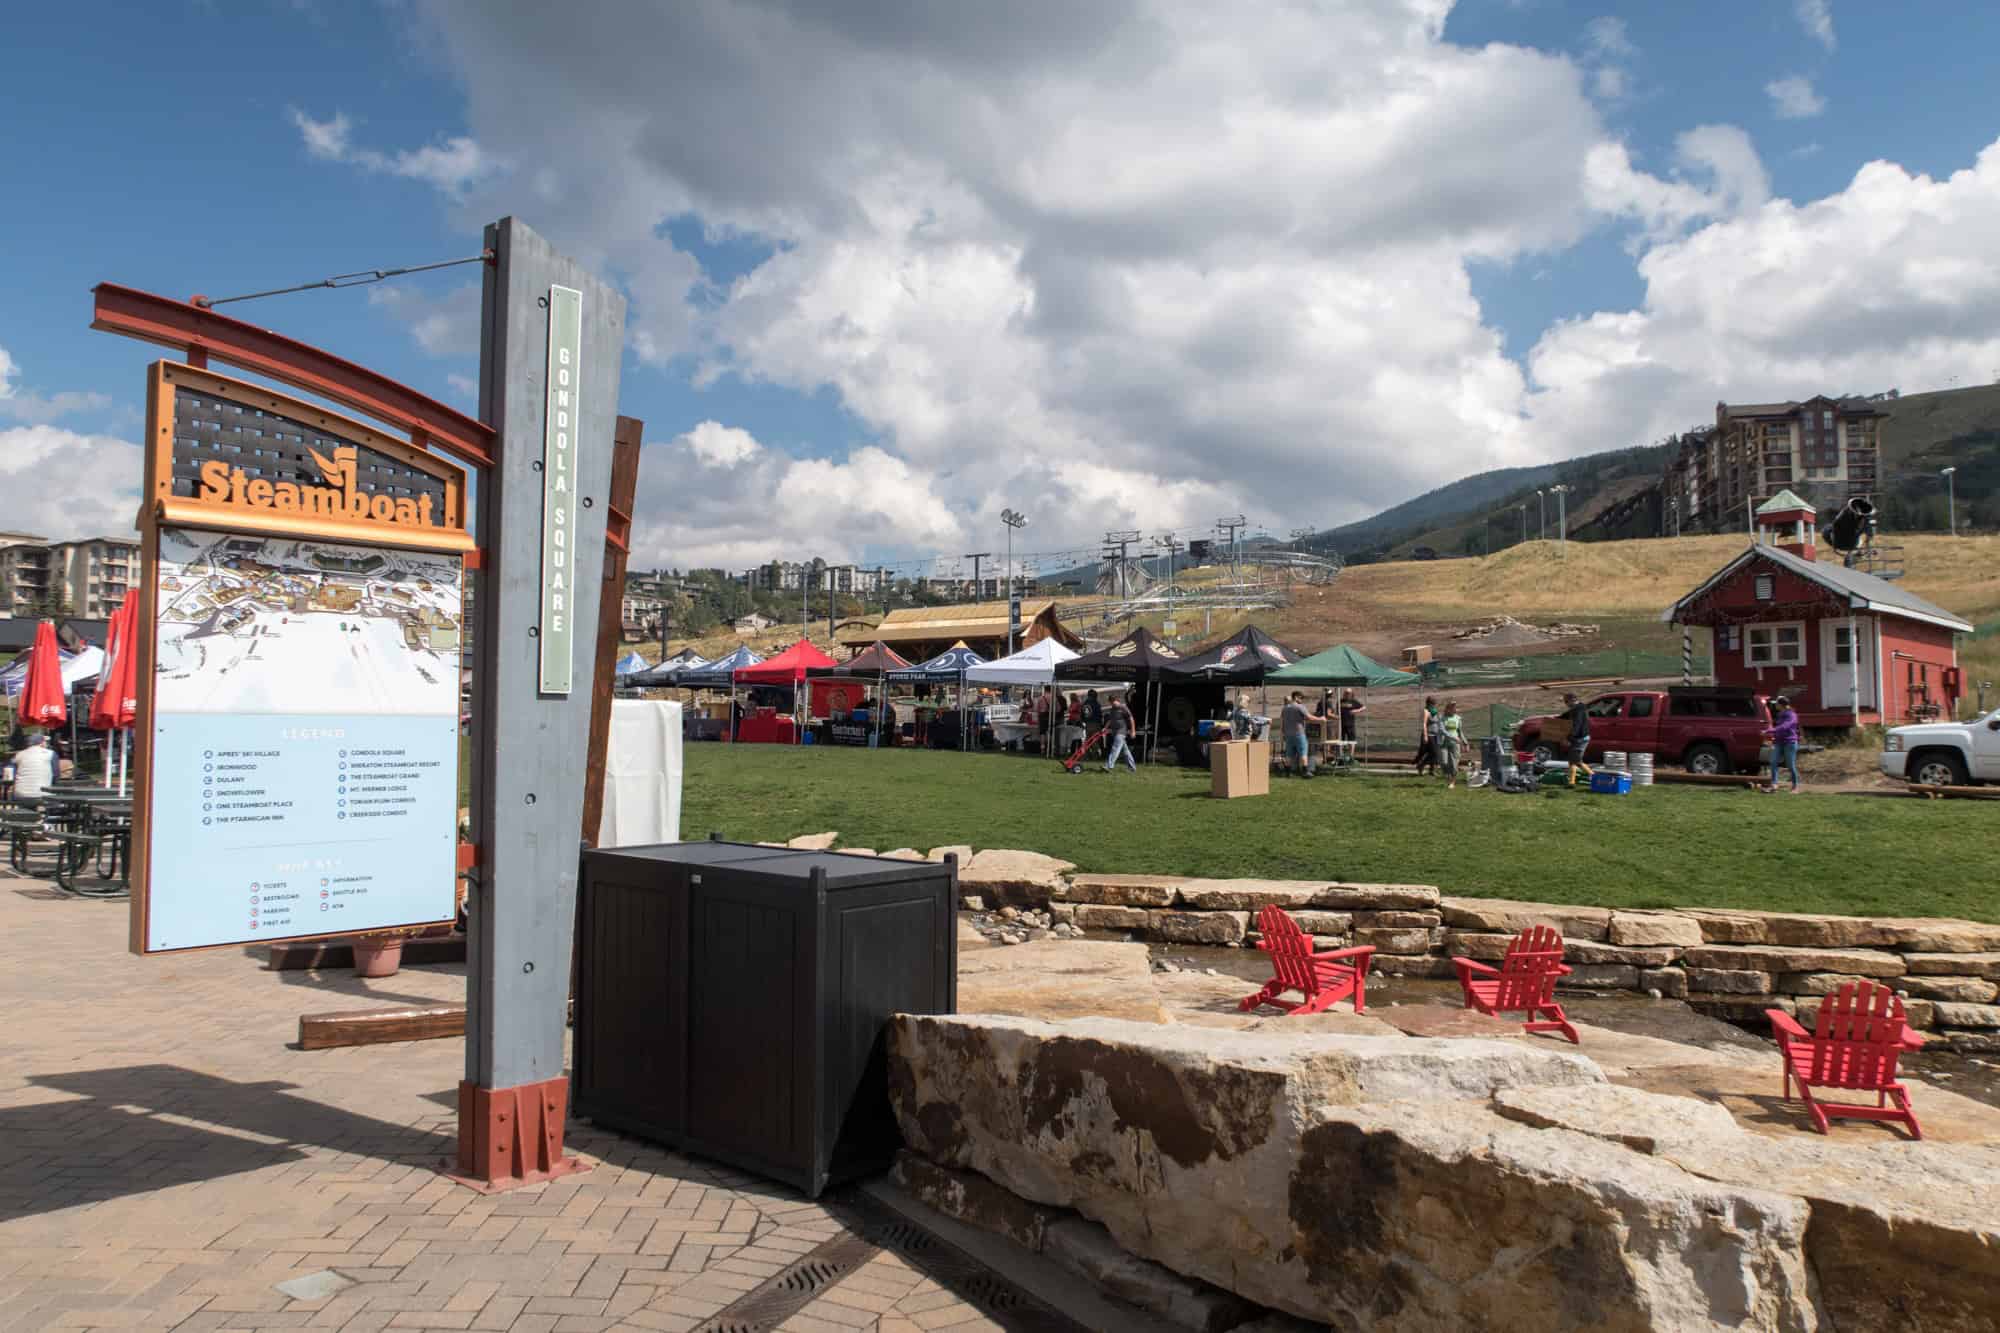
(1611,784)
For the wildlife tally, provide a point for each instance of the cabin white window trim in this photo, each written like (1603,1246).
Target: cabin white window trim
(1778,643)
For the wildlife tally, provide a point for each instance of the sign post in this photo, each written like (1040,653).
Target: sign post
(529,772)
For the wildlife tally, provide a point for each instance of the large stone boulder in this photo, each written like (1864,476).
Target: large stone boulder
(1122,890)
(1509,917)
(1360,1181)
(1248,895)
(1024,879)
(1986,965)
(1779,958)
(1060,979)
(1654,928)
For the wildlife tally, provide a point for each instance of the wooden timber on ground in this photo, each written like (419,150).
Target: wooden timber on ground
(313,956)
(1954,793)
(371,1027)
(1662,776)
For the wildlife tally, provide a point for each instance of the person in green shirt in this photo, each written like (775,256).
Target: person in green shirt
(1451,741)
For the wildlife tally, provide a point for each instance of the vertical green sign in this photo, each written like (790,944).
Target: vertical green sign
(558,621)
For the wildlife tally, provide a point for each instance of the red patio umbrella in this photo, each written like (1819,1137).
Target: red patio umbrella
(42,696)
(117,700)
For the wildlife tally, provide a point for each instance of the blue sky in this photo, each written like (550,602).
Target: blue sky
(892,272)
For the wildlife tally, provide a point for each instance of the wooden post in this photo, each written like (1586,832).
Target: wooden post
(625,439)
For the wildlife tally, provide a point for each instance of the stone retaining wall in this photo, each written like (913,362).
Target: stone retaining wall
(1727,963)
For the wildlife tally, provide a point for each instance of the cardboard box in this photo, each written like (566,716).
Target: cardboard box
(1258,761)
(1239,768)
(1228,769)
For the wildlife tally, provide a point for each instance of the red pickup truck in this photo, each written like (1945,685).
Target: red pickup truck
(1707,730)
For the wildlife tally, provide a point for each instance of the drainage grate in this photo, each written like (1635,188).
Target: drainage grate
(870,1228)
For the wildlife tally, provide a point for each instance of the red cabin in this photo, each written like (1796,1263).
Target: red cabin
(1848,648)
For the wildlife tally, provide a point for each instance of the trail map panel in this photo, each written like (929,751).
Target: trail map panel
(304,738)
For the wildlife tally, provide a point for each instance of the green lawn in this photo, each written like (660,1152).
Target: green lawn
(1663,847)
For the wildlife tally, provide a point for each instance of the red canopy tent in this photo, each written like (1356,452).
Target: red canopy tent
(42,694)
(786,668)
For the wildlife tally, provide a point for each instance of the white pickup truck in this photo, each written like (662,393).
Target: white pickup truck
(1945,754)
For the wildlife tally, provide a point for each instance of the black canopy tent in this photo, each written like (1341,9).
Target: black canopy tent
(1244,658)
(1139,658)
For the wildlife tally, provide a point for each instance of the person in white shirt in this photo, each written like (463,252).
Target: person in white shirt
(34,768)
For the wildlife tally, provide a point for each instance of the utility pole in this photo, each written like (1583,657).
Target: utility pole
(1122,541)
(805,591)
(1233,526)
(978,588)
(1951,497)
(1013,519)
(1167,542)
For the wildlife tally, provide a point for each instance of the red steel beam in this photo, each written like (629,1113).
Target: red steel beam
(203,333)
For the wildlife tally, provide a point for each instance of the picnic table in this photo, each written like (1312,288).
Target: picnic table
(86,822)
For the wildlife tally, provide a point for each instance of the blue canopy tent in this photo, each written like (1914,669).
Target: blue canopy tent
(687,659)
(947,668)
(717,675)
(630,665)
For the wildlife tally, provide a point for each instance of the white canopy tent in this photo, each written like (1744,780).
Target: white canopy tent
(1034,665)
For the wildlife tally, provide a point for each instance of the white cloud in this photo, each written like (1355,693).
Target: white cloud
(63,484)
(1793,98)
(1717,172)
(444,324)
(1887,283)
(451,164)
(1135,263)
(1607,47)
(1816,17)
(1607,37)
(732,502)
(17,404)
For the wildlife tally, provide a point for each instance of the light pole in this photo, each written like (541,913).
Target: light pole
(1562,514)
(1013,519)
(1524,522)
(1951,498)
(1542,508)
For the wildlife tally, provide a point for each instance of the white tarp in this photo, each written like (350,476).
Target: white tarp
(1034,665)
(642,775)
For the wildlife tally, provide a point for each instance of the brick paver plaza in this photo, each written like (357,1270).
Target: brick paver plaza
(168,1157)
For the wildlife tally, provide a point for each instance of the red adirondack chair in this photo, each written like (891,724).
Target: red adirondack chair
(1322,979)
(1524,983)
(1855,1042)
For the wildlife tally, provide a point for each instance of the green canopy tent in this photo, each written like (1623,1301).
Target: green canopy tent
(1340,667)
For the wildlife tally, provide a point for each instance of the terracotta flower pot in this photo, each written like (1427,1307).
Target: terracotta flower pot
(378,958)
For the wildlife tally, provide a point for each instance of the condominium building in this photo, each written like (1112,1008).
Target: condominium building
(89,578)
(1824,449)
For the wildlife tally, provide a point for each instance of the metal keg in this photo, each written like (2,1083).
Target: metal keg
(1642,769)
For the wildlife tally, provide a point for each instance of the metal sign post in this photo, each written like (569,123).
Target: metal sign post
(531,729)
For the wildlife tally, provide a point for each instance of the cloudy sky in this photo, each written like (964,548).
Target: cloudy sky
(896,264)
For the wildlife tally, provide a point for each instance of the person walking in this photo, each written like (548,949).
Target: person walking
(1784,737)
(1451,742)
(1118,721)
(1292,729)
(1579,737)
(1428,732)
